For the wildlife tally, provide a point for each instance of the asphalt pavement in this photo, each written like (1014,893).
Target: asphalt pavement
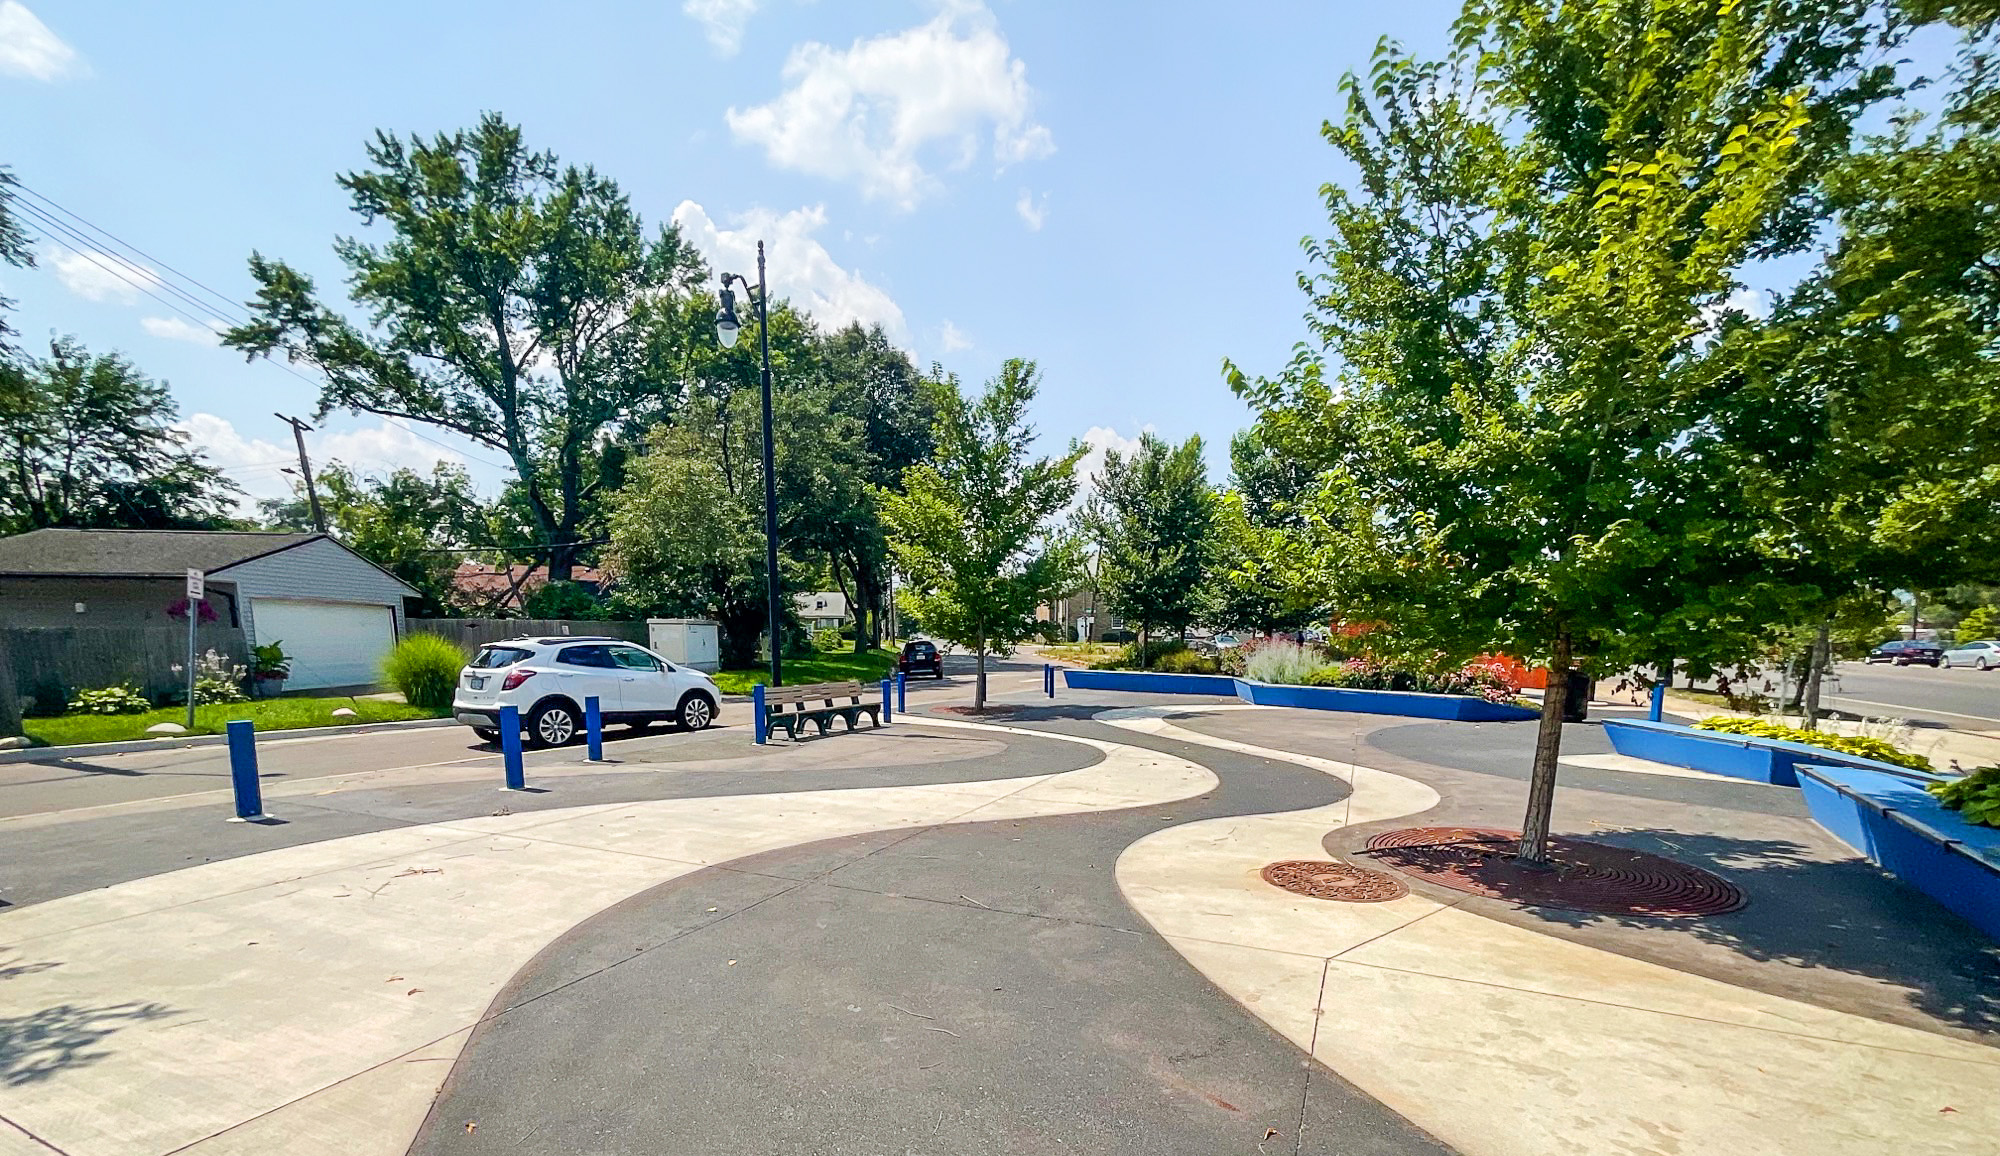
(1961,699)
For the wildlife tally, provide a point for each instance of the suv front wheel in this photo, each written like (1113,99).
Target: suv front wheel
(553,724)
(696,711)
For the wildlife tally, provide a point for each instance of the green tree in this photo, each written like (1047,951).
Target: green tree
(14,250)
(973,529)
(1255,581)
(1154,551)
(1983,622)
(562,600)
(1522,445)
(91,443)
(516,301)
(685,542)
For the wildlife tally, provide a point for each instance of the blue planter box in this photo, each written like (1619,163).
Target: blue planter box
(1149,682)
(1902,829)
(1738,756)
(1456,708)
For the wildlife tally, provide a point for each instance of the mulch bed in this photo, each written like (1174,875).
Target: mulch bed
(1581,876)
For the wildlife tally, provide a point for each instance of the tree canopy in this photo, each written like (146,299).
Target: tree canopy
(973,530)
(1154,537)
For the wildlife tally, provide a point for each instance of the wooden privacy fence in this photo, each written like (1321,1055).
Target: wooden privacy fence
(473,633)
(49,664)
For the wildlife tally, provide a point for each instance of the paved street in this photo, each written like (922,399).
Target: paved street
(1959,698)
(1038,932)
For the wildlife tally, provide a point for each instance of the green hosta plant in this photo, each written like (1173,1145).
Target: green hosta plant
(125,699)
(1861,746)
(1976,796)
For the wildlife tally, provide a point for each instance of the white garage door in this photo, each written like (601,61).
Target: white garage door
(330,643)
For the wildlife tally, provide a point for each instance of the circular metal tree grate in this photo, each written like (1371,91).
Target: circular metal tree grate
(1323,879)
(1581,876)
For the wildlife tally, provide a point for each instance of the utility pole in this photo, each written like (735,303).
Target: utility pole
(299,429)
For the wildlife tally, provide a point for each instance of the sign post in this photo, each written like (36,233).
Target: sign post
(196,587)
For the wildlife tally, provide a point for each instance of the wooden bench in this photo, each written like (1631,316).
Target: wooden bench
(800,698)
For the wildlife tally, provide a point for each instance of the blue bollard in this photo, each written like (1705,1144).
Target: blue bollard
(902,684)
(243,769)
(885,700)
(1049,679)
(757,711)
(593,729)
(510,747)
(1659,701)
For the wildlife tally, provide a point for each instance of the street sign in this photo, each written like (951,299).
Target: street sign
(195,584)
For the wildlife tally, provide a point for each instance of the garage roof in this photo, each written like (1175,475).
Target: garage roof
(137,553)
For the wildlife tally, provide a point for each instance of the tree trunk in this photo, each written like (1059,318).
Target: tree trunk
(1815,668)
(979,682)
(1143,656)
(1534,847)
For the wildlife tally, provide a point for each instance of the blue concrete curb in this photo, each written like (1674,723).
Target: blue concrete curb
(1737,756)
(1411,704)
(1900,828)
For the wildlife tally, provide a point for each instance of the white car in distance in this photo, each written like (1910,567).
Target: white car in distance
(549,679)
(1981,655)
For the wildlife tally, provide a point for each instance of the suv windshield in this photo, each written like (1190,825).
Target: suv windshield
(490,657)
(917,649)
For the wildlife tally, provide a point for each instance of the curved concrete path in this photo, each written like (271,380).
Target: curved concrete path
(1501,1040)
(310,999)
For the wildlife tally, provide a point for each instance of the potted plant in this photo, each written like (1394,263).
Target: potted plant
(271,666)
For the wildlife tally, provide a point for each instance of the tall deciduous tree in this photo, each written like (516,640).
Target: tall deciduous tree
(973,529)
(1154,550)
(91,443)
(516,301)
(1518,285)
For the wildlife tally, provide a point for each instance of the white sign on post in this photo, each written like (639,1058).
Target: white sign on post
(195,584)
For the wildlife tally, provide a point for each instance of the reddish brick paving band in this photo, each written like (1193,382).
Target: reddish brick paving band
(1323,879)
(1582,876)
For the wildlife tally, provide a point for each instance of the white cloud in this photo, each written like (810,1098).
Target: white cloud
(952,338)
(799,267)
(29,49)
(722,20)
(1032,210)
(258,465)
(1099,439)
(878,112)
(99,276)
(175,329)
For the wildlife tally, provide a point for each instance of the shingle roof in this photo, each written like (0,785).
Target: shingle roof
(136,553)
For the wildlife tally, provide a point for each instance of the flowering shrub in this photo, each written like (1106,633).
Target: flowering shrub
(216,679)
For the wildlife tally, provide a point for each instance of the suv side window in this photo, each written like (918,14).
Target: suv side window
(632,658)
(599,656)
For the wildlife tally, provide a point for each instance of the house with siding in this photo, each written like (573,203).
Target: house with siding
(335,613)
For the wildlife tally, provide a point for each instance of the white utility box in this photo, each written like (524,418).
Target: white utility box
(692,642)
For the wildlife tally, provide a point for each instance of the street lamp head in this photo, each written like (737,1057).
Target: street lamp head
(726,325)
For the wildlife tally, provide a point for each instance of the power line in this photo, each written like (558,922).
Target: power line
(125,271)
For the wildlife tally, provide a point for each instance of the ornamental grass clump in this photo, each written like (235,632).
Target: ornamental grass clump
(1282,661)
(425,668)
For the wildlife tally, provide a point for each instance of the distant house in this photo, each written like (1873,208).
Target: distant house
(1081,616)
(335,613)
(823,610)
(504,590)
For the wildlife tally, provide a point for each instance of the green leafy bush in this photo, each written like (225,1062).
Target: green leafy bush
(1130,658)
(1186,661)
(271,661)
(1858,745)
(831,639)
(125,699)
(1976,796)
(216,679)
(425,668)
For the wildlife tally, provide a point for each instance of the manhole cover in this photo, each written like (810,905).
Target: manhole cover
(1581,876)
(1323,879)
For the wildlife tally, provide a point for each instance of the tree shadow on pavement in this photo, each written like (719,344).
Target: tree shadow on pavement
(38,1045)
(1811,913)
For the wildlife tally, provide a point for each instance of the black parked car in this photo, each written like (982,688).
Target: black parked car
(1904,653)
(920,657)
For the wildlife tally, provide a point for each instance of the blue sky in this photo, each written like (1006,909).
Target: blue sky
(1116,190)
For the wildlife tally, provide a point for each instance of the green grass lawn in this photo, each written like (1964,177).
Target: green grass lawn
(826,666)
(269,714)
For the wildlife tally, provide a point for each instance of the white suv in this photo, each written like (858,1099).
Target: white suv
(548,679)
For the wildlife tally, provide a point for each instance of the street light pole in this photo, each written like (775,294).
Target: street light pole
(726,327)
